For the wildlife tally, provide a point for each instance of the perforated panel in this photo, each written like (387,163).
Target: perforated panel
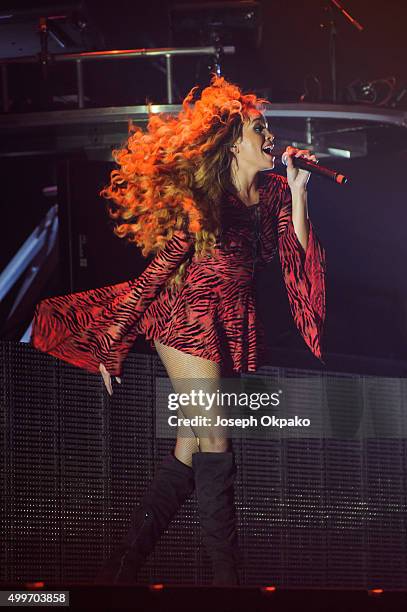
(325,512)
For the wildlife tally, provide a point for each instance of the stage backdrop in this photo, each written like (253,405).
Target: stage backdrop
(312,512)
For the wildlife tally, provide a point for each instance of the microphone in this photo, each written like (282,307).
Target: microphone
(315,168)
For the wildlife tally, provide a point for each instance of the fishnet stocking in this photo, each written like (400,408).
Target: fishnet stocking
(184,371)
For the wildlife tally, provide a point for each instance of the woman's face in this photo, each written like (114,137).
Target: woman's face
(253,150)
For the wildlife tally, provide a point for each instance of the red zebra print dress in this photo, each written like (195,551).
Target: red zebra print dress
(213,314)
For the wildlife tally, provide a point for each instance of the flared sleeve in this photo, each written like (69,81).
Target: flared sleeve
(304,275)
(99,325)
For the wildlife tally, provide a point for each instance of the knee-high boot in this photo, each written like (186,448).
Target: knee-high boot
(214,482)
(172,485)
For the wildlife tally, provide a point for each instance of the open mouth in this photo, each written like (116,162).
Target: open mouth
(268,150)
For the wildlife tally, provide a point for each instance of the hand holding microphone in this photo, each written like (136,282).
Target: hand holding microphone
(297,177)
(300,163)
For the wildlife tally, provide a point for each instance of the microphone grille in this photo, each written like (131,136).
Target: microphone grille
(280,156)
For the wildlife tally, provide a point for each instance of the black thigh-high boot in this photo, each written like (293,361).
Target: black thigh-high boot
(172,485)
(214,483)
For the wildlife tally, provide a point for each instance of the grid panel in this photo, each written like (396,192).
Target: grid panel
(311,512)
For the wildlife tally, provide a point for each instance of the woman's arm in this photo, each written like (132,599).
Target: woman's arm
(297,180)
(99,325)
(303,265)
(300,216)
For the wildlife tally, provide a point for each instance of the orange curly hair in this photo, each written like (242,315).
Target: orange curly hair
(173,175)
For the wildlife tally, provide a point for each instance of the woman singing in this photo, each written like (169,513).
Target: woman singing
(193,191)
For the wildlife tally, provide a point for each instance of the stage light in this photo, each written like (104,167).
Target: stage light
(34,585)
(375,592)
(156,587)
(268,589)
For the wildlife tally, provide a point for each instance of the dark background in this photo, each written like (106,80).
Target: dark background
(293,46)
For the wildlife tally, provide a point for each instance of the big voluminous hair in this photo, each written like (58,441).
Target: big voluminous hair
(173,175)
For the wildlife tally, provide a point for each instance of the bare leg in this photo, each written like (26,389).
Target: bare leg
(174,479)
(214,468)
(181,366)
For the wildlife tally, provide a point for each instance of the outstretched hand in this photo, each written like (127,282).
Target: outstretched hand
(107,379)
